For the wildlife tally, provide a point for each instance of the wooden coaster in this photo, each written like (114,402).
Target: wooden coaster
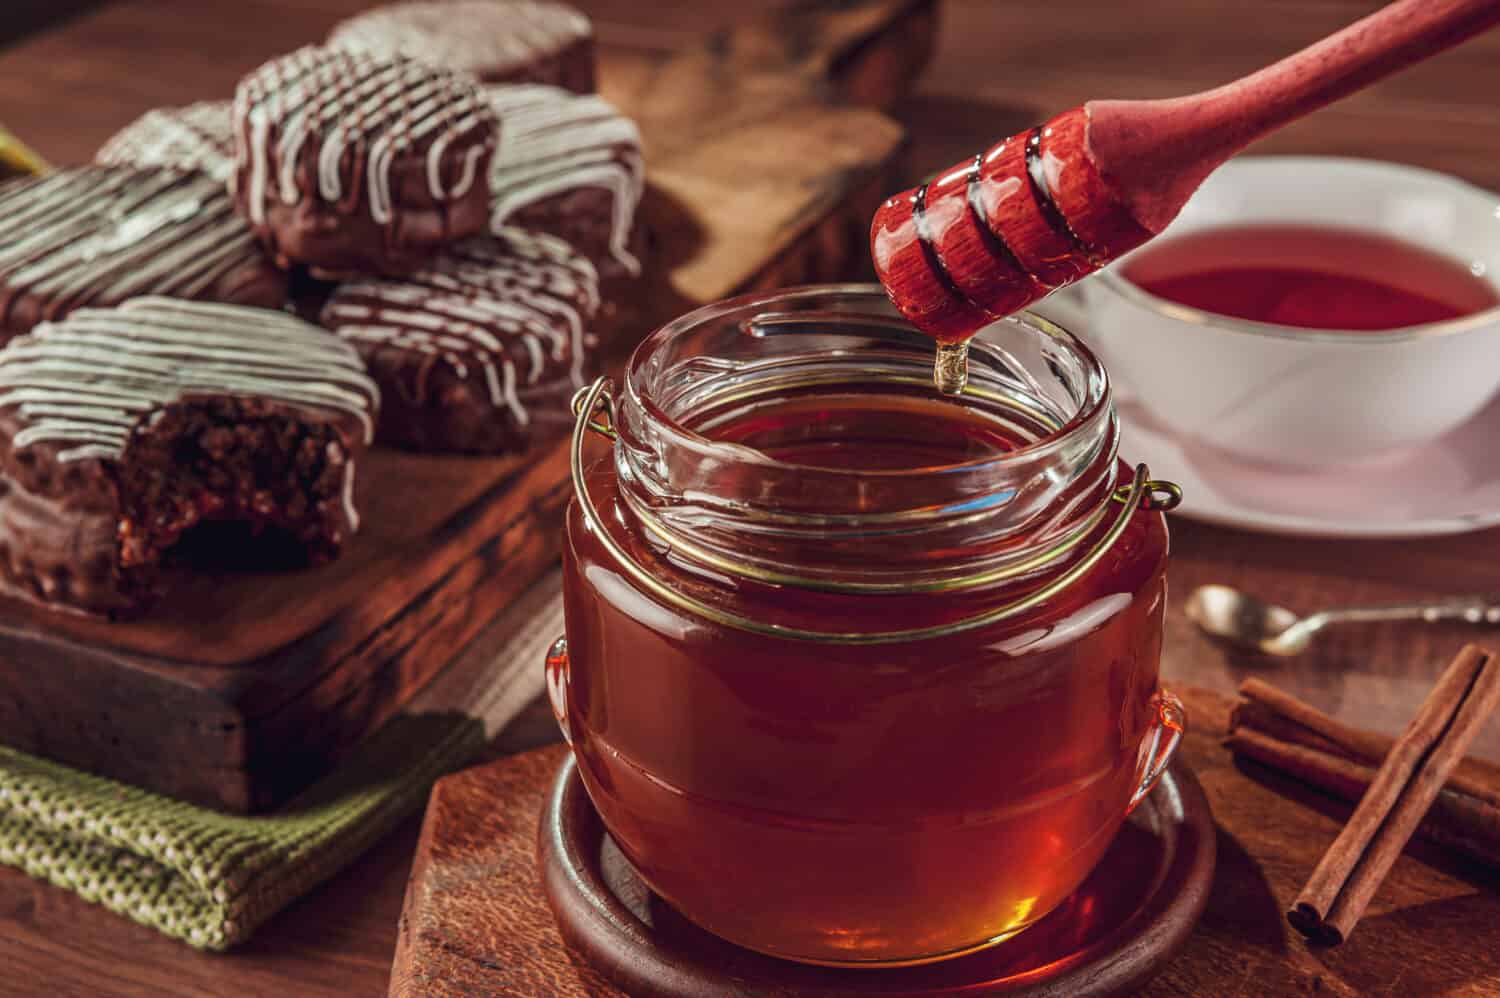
(1108,938)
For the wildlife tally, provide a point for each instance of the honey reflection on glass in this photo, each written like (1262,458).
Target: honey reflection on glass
(898,804)
(1096,915)
(784,487)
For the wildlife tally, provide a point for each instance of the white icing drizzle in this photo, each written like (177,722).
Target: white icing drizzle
(517,299)
(346,496)
(99,235)
(489,37)
(553,142)
(196,137)
(355,113)
(85,382)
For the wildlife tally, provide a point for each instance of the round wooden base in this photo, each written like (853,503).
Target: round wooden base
(1113,934)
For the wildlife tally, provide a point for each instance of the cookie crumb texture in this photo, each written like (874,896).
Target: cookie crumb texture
(124,431)
(232,459)
(349,163)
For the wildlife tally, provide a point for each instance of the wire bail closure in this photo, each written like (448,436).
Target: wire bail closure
(1142,493)
(589,398)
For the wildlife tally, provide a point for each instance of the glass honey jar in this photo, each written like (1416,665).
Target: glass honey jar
(856,673)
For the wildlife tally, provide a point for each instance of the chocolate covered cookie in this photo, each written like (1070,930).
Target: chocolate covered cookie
(123,429)
(499,41)
(196,137)
(481,350)
(349,162)
(98,235)
(570,166)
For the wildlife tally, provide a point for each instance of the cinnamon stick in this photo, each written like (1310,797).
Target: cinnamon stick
(1364,745)
(1399,796)
(1281,715)
(1456,821)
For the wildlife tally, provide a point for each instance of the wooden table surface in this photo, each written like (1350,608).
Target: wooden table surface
(1000,66)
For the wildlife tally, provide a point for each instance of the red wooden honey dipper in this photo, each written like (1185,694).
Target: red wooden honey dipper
(1041,209)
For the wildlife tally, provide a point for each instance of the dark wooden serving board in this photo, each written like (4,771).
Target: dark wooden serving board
(241,687)
(476,922)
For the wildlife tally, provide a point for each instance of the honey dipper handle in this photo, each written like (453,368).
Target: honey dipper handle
(1159,151)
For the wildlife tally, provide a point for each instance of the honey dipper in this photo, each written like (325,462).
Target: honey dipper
(1041,209)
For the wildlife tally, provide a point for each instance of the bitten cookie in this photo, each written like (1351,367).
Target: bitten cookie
(196,137)
(350,163)
(499,41)
(122,429)
(570,166)
(482,350)
(98,235)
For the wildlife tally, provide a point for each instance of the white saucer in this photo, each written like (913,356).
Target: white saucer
(1449,486)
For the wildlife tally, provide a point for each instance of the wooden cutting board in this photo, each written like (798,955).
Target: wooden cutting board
(475,921)
(240,688)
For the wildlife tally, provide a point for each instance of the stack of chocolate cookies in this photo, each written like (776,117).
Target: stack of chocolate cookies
(436,190)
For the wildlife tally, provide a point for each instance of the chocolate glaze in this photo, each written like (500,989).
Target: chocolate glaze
(481,349)
(347,162)
(499,41)
(95,236)
(56,552)
(571,166)
(121,429)
(197,137)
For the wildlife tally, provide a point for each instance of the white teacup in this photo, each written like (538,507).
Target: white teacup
(1311,397)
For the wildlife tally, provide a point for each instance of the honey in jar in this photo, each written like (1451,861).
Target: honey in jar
(857,673)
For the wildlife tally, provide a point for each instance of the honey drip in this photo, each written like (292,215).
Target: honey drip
(950,369)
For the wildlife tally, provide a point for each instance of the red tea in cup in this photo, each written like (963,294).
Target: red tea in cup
(1310,277)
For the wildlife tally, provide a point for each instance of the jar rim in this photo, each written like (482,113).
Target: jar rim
(1098,380)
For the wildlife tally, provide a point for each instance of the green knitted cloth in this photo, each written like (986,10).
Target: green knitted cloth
(207,878)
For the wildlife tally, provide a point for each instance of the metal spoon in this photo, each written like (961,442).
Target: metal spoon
(1225,612)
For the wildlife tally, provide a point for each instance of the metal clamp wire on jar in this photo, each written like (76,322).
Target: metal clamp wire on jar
(1143,492)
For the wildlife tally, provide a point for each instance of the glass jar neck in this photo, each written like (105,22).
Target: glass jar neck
(796,439)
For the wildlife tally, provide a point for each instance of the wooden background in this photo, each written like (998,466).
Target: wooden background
(1000,66)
